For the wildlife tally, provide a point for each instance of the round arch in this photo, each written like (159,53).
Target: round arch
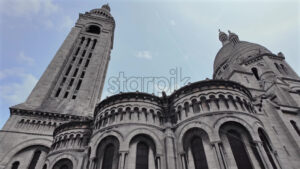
(28,143)
(142,131)
(98,137)
(68,156)
(238,120)
(198,125)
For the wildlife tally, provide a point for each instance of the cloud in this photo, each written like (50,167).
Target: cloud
(172,22)
(25,59)
(16,92)
(26,8)
(144,55)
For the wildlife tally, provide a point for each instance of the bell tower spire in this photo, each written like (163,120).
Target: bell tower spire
(73,82)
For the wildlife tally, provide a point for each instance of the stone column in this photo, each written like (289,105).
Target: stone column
(151,160)
(131,157)
(122,159)
(169,144)
(257,147)
(191,163)
(264,155)
(183,161)
(158,163)
(219,155)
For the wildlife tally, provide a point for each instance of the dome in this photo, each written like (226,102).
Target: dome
(106,6)
(104,11)
(232,52)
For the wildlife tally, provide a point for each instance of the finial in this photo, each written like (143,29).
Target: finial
(233,37)
(106,6)
(223,37)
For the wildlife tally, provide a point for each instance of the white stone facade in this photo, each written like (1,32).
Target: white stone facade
(247,117)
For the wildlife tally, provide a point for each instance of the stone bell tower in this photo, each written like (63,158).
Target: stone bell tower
(67,91)
(73,82)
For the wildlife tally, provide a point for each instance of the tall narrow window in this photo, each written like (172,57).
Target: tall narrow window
(82,74)
(82,40)
(255,72)
(294,124)
(196,107)
(68,70)
(57,92)
(75,72)
(15,165)
(83,53)
(80,61)
(198,153)
(186,107)
(284,68)
(239,150)
(87,63)
(90,55)
(66,94)
(88,42)
(63,81)
(94,43)
(45,166)
(78,85)
(277,67)
(108,157)
(34,160)
(71,82)
(77,51)
(267,147)
(142,154)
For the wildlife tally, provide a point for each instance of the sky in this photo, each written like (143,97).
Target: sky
(153,39)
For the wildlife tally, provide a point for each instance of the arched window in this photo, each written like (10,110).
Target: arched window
(94,43)
(294,124)
(45,166)
(267,147)
(198,153)
(63,164)
(284,68)
(255,72)
(35,159)
(278,68)
(15,165)
(186,107)
(93,29)
(238,149)
(107,153)
(142,154)
(108,157)
(196,107)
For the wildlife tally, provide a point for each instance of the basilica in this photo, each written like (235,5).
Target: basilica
(246,117)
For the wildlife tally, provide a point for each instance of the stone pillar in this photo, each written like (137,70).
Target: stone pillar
(131,157)
(183,161)
(191,163)
(219,155)
(264,156)
(258,148)
(169,144)
(122,159)
(151,159)
(158,163)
